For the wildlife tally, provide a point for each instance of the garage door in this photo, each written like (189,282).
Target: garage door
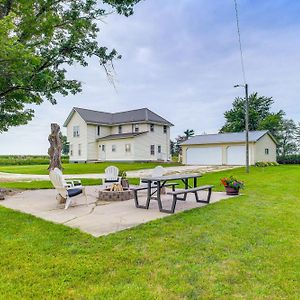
(204,156)
(236,155)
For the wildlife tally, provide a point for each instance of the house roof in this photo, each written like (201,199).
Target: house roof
(120,136)
(105,118)
(220,138)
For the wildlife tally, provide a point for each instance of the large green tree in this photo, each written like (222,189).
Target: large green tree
(260,115)
(287,138)
(38,39)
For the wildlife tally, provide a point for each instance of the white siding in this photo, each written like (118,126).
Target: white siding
(158,137)
(76,120)
(265,143)
(120,154)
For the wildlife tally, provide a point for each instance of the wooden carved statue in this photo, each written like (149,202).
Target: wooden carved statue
(55,147)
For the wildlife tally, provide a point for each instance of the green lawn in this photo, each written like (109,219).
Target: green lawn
(46,184)
(241,248)
(90,168)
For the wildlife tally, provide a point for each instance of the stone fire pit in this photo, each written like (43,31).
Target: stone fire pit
(108,195)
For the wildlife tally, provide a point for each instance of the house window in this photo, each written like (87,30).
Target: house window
(152,149)
(79,149)
(165,129)
(136,128)
(103,147)
(120,129)
(75,131)
(71,150)
(113,148)
(127,148)
(152,127)
(267,151)
(159,149)
(98,130)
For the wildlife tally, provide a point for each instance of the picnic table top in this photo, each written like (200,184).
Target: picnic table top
(171,177)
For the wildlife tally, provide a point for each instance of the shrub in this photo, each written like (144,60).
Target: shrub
(266,163)
(289,159)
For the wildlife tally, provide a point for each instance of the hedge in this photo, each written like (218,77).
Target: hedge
(289,159)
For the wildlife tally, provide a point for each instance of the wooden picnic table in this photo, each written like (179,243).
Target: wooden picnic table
(155,184)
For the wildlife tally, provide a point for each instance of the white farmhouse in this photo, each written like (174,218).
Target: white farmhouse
(135,135)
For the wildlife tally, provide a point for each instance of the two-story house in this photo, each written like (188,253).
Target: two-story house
(135,135)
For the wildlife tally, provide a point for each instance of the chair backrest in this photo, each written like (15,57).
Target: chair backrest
(111,173)
(158,171)
(58,182)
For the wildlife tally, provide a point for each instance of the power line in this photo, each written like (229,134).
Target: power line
(239,38)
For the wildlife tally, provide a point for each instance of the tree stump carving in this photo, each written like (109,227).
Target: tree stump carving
(55,153)
(55,147)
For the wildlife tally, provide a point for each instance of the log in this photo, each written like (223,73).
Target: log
(55,147)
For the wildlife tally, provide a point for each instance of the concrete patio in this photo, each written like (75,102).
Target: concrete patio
(101,219)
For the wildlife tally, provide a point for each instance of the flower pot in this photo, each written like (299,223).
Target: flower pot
(231,191)
(125,183)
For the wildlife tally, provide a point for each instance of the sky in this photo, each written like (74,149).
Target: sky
(181,61)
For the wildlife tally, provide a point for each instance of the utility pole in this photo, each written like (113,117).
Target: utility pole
(247,128)
(246,123)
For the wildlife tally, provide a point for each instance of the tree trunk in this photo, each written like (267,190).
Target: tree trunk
(55,147)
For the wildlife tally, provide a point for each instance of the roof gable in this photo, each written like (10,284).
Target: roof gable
(232,137)
(131,116)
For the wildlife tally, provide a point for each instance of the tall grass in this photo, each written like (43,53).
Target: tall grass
(9,160)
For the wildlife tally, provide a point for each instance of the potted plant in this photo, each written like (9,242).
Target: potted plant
(124,180)
(232,185)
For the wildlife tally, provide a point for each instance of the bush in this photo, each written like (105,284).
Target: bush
(289,159)
(266,163)
(13,160)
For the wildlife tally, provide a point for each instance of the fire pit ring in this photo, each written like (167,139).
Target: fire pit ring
(108,195)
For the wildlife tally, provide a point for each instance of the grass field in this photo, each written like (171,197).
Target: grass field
(90,168)
(46,184)
(241,248)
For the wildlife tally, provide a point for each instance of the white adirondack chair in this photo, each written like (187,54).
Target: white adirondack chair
(66,188)
(111,176)
(157,172)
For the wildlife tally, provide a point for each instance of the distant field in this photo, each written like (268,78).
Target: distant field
(21,160)
(90,168)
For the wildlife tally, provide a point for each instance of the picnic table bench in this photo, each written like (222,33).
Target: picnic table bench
(163,181)
(185,192)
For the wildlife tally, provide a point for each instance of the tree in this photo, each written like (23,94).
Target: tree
(297,136)
(189,133)
(38,39)
(260,115)
(287,141)
(65,145)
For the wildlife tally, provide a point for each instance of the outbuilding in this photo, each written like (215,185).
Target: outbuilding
(229,148)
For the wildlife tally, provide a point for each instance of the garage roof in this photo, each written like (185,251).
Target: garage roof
(232,137)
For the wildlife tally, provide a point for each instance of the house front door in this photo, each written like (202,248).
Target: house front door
(101,152)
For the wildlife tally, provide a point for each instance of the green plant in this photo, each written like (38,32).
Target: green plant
(232,182)
(123,174)
(266,163)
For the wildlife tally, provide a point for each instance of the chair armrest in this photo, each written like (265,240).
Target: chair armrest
(75,182)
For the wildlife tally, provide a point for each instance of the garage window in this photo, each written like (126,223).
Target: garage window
(267,151)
